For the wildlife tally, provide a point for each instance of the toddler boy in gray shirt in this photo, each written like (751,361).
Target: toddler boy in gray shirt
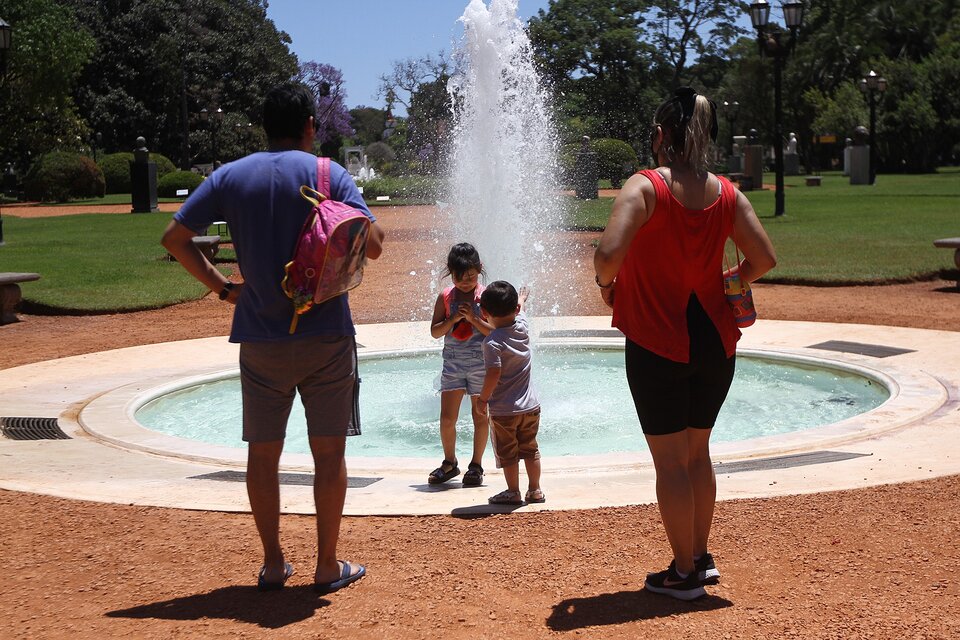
(508,396)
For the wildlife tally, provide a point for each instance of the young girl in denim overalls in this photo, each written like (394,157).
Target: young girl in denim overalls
(457,318)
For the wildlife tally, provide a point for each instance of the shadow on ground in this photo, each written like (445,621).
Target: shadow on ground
(622,607)
(240,603)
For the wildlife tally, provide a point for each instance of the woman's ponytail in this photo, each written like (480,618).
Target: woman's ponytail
(689,124)
(697,144)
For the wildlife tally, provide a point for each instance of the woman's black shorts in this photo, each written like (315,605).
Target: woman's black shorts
(671,396)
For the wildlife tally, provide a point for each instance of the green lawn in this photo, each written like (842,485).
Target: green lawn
(96,262)
(835,233)
(841,233)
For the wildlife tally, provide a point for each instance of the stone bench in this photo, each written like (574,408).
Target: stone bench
(951,243)
(813,181)
(10,294)
(209,246)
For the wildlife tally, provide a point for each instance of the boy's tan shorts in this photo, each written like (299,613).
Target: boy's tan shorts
(514,437)
(322,368)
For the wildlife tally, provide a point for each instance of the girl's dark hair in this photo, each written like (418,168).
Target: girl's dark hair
(499,299)
(286,109)
(689,124)
(462,258)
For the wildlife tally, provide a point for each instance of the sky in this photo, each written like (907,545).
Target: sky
(363,38)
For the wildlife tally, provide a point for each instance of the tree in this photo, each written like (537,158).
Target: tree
(326,82)
(159,62)
(49,50)
(368,124)
(428,122)
(408,75)
(591,53)
(685,29)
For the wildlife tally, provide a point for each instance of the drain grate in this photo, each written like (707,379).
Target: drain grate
(32,429)
(786,462)
(582,333)
(303,479)
(860,348)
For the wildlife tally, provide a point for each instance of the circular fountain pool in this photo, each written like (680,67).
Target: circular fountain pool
(587,408)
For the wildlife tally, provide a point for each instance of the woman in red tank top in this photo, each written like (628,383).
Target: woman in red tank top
(659,266)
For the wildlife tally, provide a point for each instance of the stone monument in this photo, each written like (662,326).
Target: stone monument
(752,162)
(847,146)
(353,160)
(143,179)
(791,160)
(860,157)
(586,171)
(735,160)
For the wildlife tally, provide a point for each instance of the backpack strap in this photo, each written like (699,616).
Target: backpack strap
(323,176)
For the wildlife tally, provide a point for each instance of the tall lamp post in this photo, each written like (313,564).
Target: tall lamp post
(771,42)
(872,86)
(213,120)
(731,109)
(6,31)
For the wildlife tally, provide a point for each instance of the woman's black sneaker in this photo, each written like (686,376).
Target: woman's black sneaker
(669,583)
(707,570)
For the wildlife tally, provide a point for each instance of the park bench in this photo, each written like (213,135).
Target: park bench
(813,181)
(209,246)
(951,243)
(10,294)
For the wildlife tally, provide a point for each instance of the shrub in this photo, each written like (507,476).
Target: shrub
(168,185)
(116,169)
(421,188)
(616,160)
(61,175)
(380,153)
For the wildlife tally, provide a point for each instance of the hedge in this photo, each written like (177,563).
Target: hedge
(168,185)
(61,175)
(116,169)
(616,159)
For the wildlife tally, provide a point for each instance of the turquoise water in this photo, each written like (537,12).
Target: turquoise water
(586,406)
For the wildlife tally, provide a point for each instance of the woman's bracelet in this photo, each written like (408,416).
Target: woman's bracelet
(604,286)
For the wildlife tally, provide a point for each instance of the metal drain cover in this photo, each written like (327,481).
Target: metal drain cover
(32,429)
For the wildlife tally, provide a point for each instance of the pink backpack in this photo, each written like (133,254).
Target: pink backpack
(331,249)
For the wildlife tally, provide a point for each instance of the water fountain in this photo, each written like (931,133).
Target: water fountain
(504,192)
(504,197)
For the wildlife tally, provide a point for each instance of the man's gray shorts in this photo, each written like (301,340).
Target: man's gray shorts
(322,368)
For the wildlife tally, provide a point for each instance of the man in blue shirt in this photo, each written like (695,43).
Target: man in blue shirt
(259,198)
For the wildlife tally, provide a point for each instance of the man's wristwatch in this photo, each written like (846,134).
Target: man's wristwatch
(225,292)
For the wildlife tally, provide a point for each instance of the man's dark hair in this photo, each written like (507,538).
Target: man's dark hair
(499,299)
(286,109)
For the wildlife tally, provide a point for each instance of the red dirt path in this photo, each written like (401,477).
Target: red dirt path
(870,563)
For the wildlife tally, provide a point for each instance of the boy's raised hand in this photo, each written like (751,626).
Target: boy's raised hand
(522,295)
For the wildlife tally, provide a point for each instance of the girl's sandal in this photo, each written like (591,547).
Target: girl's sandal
(474,475)
(439,476)
(506,497)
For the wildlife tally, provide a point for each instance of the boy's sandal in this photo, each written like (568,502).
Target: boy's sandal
(506,497)
(439,476)
(474,475)
(535,496)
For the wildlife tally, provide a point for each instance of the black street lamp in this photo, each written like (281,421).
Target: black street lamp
(770,40)
(214,121)
(731,110)
(243,136)
(6,31)
(872,86)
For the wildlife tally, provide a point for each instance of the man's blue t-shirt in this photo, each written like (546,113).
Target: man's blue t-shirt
(259,198)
